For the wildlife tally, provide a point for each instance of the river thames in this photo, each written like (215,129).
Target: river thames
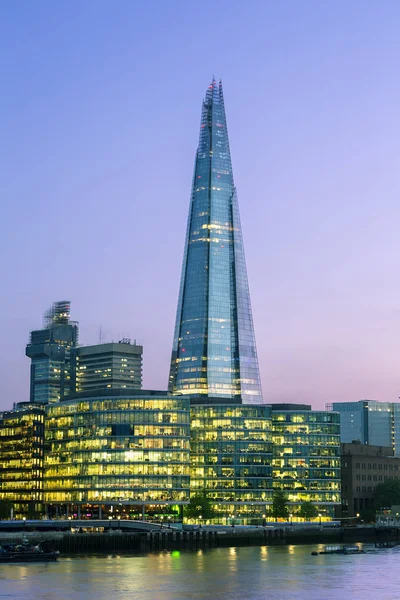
(256,573)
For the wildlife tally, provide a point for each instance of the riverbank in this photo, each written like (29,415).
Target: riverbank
(170,539)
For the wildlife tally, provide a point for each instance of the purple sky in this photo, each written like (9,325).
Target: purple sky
(100,111)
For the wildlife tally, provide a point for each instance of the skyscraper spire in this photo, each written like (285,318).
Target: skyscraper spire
(214,350)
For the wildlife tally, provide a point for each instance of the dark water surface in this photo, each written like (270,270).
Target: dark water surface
(278,573)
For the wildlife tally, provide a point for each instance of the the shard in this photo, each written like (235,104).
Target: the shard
(214,350)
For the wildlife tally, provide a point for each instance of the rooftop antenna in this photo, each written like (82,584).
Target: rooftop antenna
(100,335)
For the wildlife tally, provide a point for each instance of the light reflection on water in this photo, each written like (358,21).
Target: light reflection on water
(258,573)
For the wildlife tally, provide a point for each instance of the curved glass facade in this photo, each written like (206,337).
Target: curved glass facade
(124,449)
(306,462)
(231,457)
(214,351)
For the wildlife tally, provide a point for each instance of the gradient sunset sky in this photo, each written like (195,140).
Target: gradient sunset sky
(100,111)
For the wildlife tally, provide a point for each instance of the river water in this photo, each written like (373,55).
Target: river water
(266,573)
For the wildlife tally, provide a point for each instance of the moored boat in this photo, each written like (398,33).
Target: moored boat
(340,550)
(25,553)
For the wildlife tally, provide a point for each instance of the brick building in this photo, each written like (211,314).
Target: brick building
(362,468)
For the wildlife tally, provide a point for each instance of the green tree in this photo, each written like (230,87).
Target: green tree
(368,515)
(279,505)
(308,511)
(5,509)
(199,506)
(387,493)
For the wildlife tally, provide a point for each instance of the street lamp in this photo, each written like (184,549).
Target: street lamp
(24,519)
(291,519)
(233,520)
(162,521)
(264,520)
(119,521)
(320,520)
(200,517)
(169,522)
(110,519)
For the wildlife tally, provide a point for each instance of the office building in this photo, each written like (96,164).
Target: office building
(363,467)
(117,450)
(231,457)
(21,460)
(112,365)
(370,422)
(306,456)
(214,350)
(49,350)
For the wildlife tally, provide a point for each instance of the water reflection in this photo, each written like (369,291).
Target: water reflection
(259,573)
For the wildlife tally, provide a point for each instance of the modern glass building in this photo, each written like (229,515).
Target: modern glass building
(214,350)
(104,366)
(114,448)
(49,351)
(21,460)
(306,456)
(370,422)
(231,458)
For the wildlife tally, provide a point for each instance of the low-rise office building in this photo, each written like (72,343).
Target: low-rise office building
(21,460)
(306,456)
(136,453)
(231,457)
(117,451)
(363,467)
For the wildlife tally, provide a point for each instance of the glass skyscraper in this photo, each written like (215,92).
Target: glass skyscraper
(214,350)
(49,350)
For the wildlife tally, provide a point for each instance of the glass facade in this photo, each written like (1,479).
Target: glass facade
(21,460)
(306,459)
(124,449)
(49,350)
(370,422)
(231,457)
(214,351)
(112,365)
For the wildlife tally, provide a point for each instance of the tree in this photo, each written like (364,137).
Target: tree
(199,506)
(279,508)
(5,509)
(368,515)
(387,493)
(308,511)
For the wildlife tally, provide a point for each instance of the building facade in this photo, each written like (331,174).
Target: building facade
(21,460)
(105,366)
(370,422)
(123,449)
(49,350)
(231,457)
(363,467)
(306,456)
(214,350)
